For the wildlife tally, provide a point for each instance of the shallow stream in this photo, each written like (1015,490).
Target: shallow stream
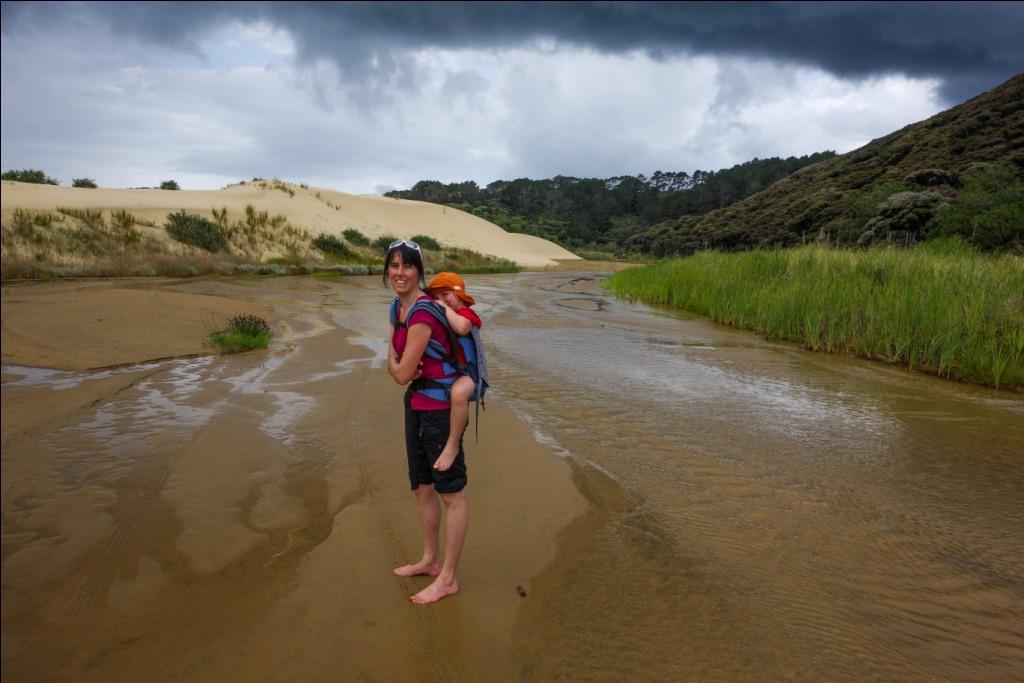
(767,513)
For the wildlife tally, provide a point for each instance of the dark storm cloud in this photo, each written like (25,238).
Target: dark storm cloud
(971,47)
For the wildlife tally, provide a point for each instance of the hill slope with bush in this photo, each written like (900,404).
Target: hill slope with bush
(961,172)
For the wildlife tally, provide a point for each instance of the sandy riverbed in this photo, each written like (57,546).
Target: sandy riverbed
(237,518)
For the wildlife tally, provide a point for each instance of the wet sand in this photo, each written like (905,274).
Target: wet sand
(85,325)
(678,500)
(237,518)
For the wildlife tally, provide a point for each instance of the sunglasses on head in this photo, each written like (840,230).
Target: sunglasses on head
(408,243)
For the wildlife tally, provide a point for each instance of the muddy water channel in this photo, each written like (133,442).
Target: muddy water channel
(750,511)
(765,513)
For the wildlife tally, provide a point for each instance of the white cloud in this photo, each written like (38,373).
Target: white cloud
(242,105)
(764,109)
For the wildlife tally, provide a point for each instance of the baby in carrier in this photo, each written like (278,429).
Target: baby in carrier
(449,290)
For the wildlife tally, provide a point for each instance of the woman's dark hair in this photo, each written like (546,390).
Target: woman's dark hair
(408,255)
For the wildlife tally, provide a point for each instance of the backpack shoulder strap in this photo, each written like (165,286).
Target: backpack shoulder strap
(393,313)
(430,307)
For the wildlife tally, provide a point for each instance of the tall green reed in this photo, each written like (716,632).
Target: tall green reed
(941,308)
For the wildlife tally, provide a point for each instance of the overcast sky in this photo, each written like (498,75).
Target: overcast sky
(370,97)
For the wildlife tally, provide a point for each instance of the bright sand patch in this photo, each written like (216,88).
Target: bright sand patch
(314,209)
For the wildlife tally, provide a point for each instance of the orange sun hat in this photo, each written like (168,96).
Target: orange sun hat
(452,282)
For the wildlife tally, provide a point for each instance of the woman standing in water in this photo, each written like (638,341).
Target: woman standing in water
(427,422)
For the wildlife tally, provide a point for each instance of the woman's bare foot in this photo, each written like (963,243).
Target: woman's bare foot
(438,590)
(447,457)
(421,568)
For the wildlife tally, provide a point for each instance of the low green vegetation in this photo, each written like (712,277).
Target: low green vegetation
(941,307)
(466,261)
(29,175)
(425,242)
(169,185)
(355,237)
(359,255)
(382,243)
(93,218)
(84,242)
(242,333)
(196,230)
(277,184)
(84,182)
(333,247)
(122,219)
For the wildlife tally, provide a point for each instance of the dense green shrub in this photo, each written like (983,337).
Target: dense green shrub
(903,216)
(383,242)
(84,182)
(932,177)
(169,185)
(355,237)
(988,212)
(331,245)
(196,230)
(426,242)
(29,175)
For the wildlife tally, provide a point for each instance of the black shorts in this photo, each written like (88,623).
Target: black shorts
(426,433)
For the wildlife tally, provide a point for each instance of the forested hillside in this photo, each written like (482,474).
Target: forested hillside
(594,213)
(960,172)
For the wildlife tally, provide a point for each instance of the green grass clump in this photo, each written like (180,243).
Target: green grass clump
(942,307)
(120,218)
(355,237)
(23,224)
(196,230)
(93,219)
(242,333)
(277,184)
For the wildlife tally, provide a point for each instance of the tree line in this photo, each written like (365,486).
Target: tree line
(600,213)
(33,175)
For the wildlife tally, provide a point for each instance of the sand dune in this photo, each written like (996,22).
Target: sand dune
(314,209)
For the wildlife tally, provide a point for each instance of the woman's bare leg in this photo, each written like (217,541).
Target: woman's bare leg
(430,521)
(456,524)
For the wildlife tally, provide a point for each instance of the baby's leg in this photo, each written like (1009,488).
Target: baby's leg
(462,389)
